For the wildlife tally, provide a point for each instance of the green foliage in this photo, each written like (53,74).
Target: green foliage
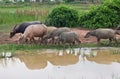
(106,15)
(7,1)
(62,16)
(67,1)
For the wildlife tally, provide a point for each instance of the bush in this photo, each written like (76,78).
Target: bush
(62,16)
(67,1)
(106,15)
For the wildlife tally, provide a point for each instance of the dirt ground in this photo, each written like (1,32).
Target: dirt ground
(4,37)
(82,33)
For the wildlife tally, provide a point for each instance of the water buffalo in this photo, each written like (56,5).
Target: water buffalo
(56,33)
(21,27)
(103,34)
(69,37)
(38,30)
(50,29)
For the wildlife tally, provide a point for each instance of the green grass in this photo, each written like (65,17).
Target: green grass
(30,46)
(14,47)
(13,14)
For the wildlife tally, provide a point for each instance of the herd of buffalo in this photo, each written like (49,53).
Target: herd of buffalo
(35,30)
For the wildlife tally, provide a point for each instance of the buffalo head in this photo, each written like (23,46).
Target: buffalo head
(13,32)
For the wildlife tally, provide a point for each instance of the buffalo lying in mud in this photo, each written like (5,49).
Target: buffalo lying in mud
(21,27)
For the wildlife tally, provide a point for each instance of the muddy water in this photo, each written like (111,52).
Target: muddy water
(84,63)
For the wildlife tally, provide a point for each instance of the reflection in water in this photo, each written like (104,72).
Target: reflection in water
(84,63)
(39,60)
(34,61)
(105,56)
(5,55)
(63,57)
(4,62)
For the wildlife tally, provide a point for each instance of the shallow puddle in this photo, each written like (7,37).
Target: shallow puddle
(79,63)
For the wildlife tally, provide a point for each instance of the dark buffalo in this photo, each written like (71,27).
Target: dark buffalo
(21,27)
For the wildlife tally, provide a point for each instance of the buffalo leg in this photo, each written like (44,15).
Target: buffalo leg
(110,40)
(98,40)
(115,40)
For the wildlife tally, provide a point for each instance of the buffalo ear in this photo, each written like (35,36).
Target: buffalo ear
(14,26)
